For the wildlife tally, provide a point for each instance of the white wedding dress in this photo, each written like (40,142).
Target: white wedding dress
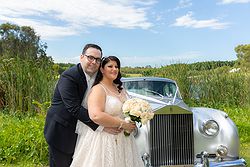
(101,149)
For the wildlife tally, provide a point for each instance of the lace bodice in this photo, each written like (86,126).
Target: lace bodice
(102,149)
(113,106)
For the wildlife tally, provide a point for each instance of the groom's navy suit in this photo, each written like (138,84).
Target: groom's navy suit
(66,109)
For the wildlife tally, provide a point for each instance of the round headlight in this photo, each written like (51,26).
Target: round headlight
(211,128)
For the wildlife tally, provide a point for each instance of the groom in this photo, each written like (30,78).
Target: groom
(66,107)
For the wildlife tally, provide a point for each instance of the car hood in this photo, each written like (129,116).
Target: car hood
(157,104)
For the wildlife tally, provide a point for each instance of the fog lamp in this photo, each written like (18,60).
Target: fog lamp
(222,150)
(211,128)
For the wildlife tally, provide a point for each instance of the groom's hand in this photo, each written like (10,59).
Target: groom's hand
(111,130)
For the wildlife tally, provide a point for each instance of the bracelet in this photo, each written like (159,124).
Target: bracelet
(120,125)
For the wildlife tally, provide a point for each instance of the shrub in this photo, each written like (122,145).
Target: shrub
(22,139)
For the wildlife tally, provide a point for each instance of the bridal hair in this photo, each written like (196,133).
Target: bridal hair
(99,75)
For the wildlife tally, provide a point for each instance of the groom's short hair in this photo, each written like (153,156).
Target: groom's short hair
(90,45)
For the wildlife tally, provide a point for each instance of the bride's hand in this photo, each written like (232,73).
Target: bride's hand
(128,126)
(111,130)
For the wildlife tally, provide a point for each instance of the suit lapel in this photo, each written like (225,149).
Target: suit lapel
(83,81)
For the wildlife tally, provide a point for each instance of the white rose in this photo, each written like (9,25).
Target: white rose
(128,119)
(135,113)
(150,115)
(144,121)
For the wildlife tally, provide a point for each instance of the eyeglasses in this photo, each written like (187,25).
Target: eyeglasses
(92,58)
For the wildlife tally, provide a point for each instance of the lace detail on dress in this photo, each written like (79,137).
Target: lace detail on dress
(122,96)
(101,149)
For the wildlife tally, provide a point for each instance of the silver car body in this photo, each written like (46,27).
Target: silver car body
(179,135)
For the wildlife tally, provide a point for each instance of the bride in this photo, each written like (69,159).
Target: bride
(98,148)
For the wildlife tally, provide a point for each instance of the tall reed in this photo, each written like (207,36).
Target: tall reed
(213,87)
(218,87)
(24,80)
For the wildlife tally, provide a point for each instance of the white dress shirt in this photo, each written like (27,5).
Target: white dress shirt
(90,82)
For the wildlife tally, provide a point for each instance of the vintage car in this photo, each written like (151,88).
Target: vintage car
(179,135)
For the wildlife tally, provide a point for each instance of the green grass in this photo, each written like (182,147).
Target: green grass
(23,164)
(22,143)
(241,118)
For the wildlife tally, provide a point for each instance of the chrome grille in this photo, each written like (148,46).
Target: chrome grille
(171,140)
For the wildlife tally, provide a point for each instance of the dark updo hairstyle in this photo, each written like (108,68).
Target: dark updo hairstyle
(99,75)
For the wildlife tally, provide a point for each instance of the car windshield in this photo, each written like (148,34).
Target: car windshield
(152,88)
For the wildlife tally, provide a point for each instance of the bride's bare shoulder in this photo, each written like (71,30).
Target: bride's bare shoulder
(98,89)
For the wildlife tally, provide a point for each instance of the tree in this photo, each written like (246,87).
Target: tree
(26,72)
(243,55)
(20,41)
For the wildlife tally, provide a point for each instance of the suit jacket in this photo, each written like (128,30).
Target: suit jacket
(66,109)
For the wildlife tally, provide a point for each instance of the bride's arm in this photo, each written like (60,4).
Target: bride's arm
(96,106)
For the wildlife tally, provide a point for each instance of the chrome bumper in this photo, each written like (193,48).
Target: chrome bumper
(238,162)
(235,163)
(205,161)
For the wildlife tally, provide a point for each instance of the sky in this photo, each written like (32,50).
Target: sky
(138,32)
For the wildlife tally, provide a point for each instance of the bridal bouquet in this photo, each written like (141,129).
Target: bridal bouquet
(137,110)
